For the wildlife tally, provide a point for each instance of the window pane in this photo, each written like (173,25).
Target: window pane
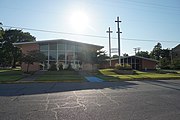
(52,46)
(78,48)
(43,47)
(70,47)
(61,57)
(45,53)
(52,54)
(61,46)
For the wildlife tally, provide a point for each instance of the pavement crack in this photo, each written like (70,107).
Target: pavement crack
(47,104)
(79,102)
(54,110)
(96,104)
(108,97)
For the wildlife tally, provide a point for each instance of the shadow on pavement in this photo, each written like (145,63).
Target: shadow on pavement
(161,83)
(43,88)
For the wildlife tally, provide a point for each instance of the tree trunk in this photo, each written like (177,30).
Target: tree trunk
(14,63)
(27,67)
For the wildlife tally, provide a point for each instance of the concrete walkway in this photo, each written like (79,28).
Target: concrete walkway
(93,79)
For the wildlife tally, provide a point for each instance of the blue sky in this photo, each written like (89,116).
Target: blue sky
(141,19)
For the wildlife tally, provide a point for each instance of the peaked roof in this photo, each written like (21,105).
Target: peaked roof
(178,46)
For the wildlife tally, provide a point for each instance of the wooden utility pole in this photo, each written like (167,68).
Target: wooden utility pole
(119,44)
(137,49)
(109,31)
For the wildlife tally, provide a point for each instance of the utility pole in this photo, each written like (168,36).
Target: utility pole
(119,49)
(137,49)
(109,31)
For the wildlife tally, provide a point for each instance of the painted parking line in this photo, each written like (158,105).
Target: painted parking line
(93,79)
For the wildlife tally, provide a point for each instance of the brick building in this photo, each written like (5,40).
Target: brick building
(136,62)
(65,52)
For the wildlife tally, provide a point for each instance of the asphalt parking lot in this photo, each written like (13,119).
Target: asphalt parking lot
(128,100)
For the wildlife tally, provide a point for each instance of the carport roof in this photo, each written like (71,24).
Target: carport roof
(123,57)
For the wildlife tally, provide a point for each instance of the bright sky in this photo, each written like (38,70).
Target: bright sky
(157,20)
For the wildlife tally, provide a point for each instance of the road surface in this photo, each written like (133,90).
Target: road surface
(135,100)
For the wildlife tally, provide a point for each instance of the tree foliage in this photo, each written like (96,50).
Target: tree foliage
(143,54)
(125,55)
(164,57)
(1,31)
(156,52)
(115,56)
(10,53)
(32,57)
(101,56)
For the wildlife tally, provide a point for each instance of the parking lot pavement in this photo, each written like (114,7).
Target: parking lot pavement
(136,100)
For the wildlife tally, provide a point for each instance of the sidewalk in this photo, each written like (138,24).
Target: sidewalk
(93,79)
(89,77)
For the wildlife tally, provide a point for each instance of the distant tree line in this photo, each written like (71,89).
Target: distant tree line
(164,56)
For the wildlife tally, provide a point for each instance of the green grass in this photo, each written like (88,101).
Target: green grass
(109,75)
(10,75)
(60,76)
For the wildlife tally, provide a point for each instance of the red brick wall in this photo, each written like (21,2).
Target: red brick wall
(144,64)
(148,64)
(29,47)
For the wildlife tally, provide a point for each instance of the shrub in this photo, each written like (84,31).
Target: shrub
(53,67)
(118,66)
(121,67)
(60,67)
(127,67)
(176,64)
(69,67)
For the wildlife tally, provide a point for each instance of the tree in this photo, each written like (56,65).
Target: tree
(33,56)
(11,53)
(125,55)
(143,54)
(165,53)
(156,52)
(101,56)
(115,56)
(165,61)
(1,31)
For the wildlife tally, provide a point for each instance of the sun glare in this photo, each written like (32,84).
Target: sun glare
(79,21)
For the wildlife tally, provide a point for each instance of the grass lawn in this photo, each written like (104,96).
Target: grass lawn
(109,75)
(60,76)
(10,75)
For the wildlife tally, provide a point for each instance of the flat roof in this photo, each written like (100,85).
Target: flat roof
(122,57)
(56,41)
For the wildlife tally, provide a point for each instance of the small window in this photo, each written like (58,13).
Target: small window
(70,47)
(61,57)
(52,55)
(52,46)
(43,47)
(61,46)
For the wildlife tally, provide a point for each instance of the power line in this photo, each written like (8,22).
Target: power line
(88,35)
(148,40)
(57,32)
(152,4)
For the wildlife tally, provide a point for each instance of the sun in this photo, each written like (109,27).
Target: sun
(79,21)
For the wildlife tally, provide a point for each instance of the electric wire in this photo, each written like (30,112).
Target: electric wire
(88,35)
